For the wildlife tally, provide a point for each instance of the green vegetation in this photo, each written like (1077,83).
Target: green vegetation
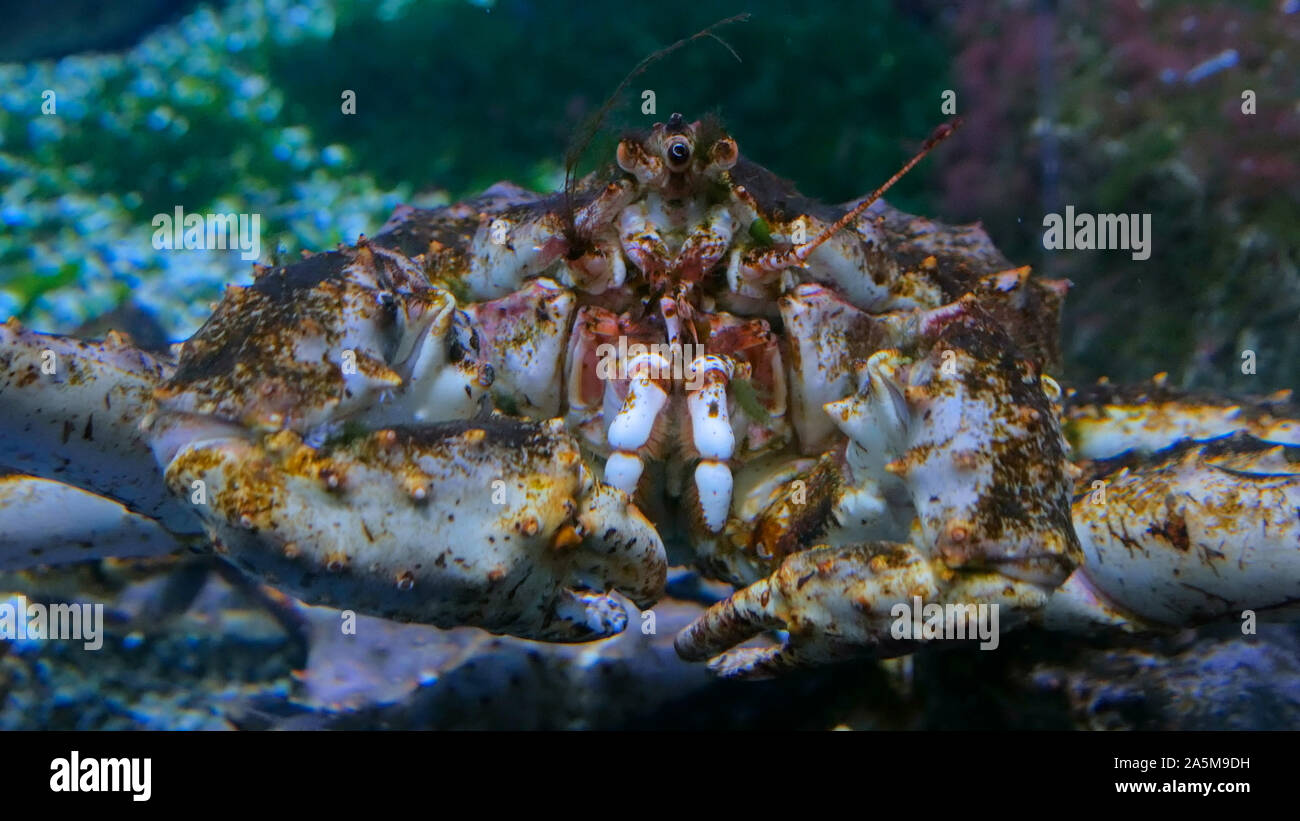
(238,110)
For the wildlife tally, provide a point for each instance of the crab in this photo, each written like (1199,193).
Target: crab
(515,412)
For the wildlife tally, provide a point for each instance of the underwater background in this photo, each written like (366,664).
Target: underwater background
(234,107)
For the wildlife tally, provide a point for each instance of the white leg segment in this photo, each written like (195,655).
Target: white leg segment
(714,438)
(630,429)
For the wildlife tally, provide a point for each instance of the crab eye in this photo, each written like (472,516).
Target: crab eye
(679,152)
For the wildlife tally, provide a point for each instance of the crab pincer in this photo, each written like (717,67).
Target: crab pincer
(962,438)
(492,522)
(834,603)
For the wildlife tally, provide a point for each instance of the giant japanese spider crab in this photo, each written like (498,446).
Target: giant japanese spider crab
(497,412)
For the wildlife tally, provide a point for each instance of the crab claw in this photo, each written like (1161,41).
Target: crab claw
(491,522)
(951,491)
(812,595)
(842,602)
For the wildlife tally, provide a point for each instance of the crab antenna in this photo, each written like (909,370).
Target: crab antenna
(588,130)
(940,134)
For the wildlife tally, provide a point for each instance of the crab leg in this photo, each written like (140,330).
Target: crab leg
(1196,532)
(69,411)
(47,522)
(630,429)
(1105,420)
(713,436)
